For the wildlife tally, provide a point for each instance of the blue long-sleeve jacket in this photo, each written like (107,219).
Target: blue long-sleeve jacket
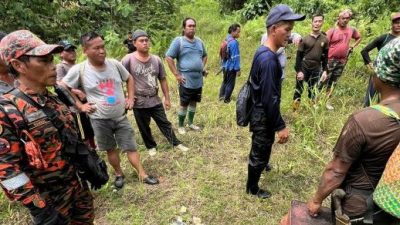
(266,73)
(233,63)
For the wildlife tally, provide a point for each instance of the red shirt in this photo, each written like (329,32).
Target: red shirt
(339,42)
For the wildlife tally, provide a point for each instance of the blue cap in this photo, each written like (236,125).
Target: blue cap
(282,12)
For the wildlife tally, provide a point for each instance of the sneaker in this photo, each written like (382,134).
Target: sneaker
(181,130)
(182,148)
(152,151)
(194,127)
(150,180)
(329,106)
(119,182)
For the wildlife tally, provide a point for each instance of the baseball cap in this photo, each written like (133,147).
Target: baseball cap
(139,33)
(24,42)
(282,12)
(387,64)
(396,16)
(66,44)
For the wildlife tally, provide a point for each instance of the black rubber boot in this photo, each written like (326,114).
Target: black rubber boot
(252,183)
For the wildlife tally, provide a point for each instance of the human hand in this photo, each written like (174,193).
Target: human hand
(129,102)
(313,207)
(88,107)
(300,76)
(180,79)
(283,135)
(167,104)
(81,95)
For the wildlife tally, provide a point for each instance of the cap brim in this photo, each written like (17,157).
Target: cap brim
(294,17)
(70,47)
(46,49)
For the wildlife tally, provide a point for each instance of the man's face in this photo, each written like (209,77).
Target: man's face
(344,20)
(129,36)
(142,44)
(282,32)
(236,33)
(396,26)
(95,50)
(40,70)
(68,55)
(317,23)
(190,29)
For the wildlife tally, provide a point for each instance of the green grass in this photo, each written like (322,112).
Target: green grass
(209,180)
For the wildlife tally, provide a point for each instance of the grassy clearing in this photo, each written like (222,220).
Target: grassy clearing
(208,182)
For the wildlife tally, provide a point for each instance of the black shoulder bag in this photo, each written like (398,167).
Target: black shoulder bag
(244,104)
(88,163)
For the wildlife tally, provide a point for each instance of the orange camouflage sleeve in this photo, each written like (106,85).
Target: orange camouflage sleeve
(13,180)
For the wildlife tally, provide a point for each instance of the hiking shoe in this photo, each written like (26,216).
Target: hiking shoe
(181,130)
(150,180)
(296,105)
(119,181)
(194,127)
(329,106)
(152,151)
(182,148)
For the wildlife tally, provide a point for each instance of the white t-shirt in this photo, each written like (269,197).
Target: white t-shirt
(103,88)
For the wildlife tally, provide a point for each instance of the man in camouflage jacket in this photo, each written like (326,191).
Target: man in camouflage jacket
(33,167)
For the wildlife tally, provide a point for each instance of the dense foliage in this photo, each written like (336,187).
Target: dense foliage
(53,20)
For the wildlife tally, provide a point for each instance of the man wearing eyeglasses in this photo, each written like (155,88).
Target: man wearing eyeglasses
(339,39)
(146,69)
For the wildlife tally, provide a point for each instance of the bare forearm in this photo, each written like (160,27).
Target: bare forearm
(130,83)
(164,88)
(204,61)
(172,66)
(77,101)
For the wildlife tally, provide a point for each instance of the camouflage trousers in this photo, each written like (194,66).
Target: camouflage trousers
(73,200)
(335,70)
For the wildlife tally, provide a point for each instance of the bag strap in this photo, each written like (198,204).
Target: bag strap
(50,113)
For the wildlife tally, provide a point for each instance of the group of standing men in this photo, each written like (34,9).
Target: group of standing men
(48,185)
(93,105)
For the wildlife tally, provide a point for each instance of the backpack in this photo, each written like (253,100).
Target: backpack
(387,193)
(244,102)
(224,53)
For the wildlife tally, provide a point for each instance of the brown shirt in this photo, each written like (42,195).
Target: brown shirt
(146,76)
(367,140)
(313,52)
(62,69)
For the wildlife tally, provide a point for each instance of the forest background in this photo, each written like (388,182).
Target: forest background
(206,185)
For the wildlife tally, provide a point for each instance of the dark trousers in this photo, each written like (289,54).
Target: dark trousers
(227,86)
(311,77)
(371,92)
(143,116)
(261,145)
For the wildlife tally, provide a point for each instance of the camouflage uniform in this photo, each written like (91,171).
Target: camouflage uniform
(54,186)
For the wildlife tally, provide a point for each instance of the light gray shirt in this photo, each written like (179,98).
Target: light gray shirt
(103,88)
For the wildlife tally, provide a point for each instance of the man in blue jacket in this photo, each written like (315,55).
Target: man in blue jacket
(231,64)
(265,77)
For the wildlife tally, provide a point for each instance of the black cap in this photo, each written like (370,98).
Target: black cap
(67,45)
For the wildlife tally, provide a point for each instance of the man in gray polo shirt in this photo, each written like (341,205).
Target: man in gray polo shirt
(102,81)
(191,56)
